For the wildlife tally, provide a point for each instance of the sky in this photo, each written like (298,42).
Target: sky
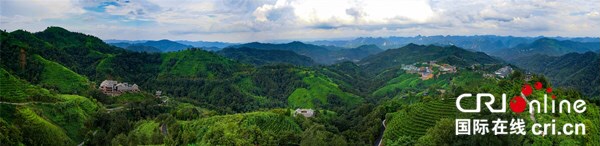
(269,20)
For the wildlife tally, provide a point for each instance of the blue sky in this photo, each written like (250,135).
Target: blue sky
(264,20)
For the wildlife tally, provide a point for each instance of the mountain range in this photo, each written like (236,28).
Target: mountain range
(547,46)
(320,54)
(413,53)
(153,46)
(480,43)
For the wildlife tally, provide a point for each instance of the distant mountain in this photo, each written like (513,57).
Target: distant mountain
(162,45)
(479,43)
(136,47)
(483,43)
(575,70)
(320,54)
(413,53)
(262,57)
(204,44)
(317,53)
(166,45)
(547,46)
(113,41)
(355,54)
(141,48)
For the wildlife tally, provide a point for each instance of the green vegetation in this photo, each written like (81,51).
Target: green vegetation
(196,63)
(13,89)
(412,83)
(320,92)
(264,128)
(264,57)
(56,76)
(573,70)
(416,119)
(39,131)
(71,114)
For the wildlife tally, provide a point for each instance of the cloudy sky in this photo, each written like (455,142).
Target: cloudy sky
(264,20)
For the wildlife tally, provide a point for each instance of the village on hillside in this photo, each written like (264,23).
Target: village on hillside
(426,69)
(114,88)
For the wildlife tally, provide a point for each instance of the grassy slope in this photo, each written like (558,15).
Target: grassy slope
(236,127)
(46,132)
(70,114)
(46,118)
(319,88)
(12,89)
(411,82)
(194,63)
(61,78)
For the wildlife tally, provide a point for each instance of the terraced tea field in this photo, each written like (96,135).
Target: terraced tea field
(418,118)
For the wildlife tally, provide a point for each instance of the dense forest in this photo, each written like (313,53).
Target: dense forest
(245,96)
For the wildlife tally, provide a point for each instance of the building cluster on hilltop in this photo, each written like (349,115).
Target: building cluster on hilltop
(114,88)
(504,71)
(426,71)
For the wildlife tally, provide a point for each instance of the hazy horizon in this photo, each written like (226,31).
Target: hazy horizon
(347,39)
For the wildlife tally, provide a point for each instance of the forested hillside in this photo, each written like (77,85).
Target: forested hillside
(573,70)
(265,57)
(413,53)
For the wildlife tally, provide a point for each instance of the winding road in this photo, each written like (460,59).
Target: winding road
(381,135)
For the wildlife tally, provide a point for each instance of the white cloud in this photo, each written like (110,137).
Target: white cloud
(255,20)
(30,14)
(346,12)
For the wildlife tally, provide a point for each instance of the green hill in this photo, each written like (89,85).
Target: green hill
(317,53)
(56,76)
(320,92)
(13,89)
(195,63)
(43,117)
(76,51)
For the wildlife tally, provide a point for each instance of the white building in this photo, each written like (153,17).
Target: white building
(504,72)
(114,88)
(305,112)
